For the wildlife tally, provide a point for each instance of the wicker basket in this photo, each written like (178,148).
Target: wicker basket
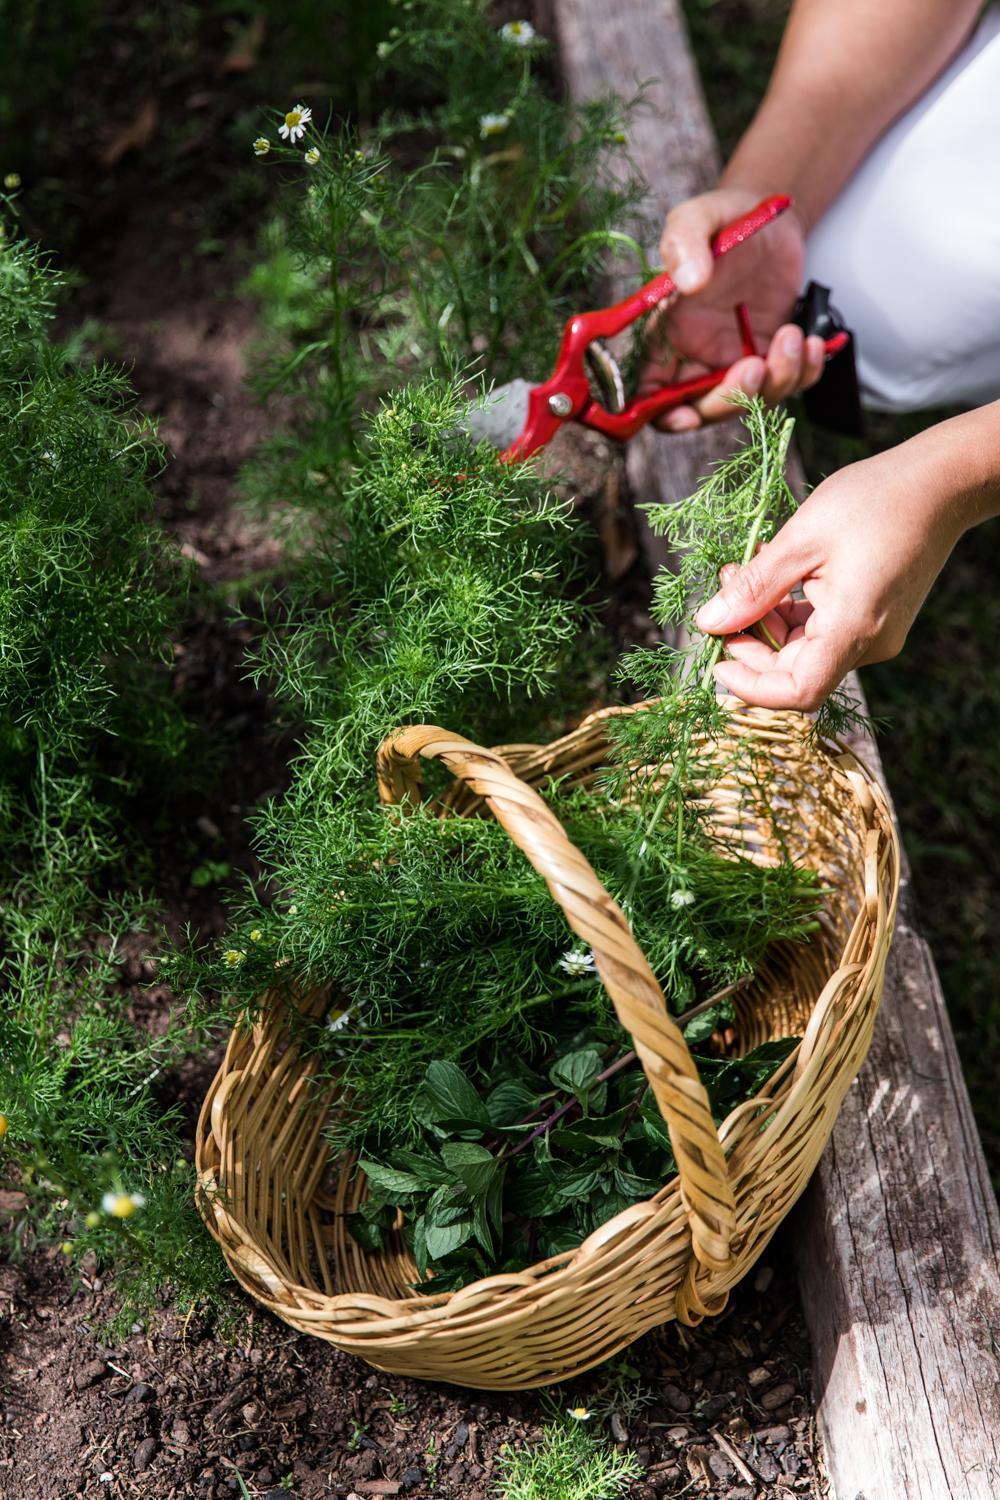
(277,1206)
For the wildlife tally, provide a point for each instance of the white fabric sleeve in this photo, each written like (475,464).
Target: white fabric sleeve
(911,247)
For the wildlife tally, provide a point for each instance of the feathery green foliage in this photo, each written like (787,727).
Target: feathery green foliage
(430,242)
(452,968)
(88,593)
(439,588)
(567,1463)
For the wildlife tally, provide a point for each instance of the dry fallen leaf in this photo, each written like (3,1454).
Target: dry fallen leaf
(133,136)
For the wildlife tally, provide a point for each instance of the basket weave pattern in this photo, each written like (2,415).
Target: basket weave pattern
(278,1207)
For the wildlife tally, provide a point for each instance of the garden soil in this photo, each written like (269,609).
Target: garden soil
(723,1411)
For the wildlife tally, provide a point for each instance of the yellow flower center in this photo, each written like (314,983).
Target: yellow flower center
(123,1207)
(292,118)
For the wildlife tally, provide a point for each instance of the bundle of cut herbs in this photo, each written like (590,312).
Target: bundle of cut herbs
(487,1089)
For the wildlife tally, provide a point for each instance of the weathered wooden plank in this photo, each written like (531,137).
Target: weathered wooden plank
(898,1237)
(898,1244)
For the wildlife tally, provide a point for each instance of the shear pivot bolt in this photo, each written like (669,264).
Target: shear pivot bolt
(560,405)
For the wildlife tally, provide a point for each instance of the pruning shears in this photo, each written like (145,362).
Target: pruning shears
(586,384)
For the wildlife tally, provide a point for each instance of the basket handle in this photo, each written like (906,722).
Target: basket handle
(706,1191)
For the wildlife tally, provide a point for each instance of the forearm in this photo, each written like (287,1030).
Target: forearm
(845,71)
(956,466)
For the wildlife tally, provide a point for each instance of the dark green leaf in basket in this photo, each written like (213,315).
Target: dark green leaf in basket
(442,1239)
(731,1080)
(654,1126)
(448,1098)
(481,1227)
(446,1205)
(366,1233)
(701,1028)
(473,1165)
(535,1194)
(636,1188)
(389,1180)
(428,1169)
(576,1072)
(509,1102)
(578,1184)
(583,1137)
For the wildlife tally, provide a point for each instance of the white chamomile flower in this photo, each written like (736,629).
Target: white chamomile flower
(295,124)
(579,1413)
(311,157)
(493,125)
(233,957)
(681,898)
(518,33)
(338,1019)
(577,962)
(261,146)
(122,1205)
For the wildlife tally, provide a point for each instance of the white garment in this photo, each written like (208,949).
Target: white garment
(911,247)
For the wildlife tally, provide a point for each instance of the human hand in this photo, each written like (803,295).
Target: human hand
(698,332)
(866,547)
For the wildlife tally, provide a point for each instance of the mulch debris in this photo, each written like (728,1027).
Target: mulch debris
(175,1412)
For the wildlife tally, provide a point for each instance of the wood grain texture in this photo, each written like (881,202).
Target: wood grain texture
(898,1244)
(898,1238)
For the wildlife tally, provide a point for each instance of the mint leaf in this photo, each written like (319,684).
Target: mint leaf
(450,1099)
(388,1180)
(442,1239)
(473,1165)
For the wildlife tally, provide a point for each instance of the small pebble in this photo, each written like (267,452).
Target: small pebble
(140,1392)
(779,1395)
(90,1374)
(459,1438)
(763,1278)
(676,1399)
(144,1454)
(759,1376)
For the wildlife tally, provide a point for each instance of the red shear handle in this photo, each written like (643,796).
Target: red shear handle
(566,394)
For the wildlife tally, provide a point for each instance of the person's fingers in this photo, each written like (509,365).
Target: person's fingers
(813,361)
(686,242)
(794,612)
(805,678)
(774,626)
(751,652)
(679,419)
(745,375)
(784,363)
(748,593)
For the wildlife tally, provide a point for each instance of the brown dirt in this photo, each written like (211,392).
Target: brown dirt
(174,1411)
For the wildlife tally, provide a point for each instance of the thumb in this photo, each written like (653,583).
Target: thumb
(748,592)
(686,242)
